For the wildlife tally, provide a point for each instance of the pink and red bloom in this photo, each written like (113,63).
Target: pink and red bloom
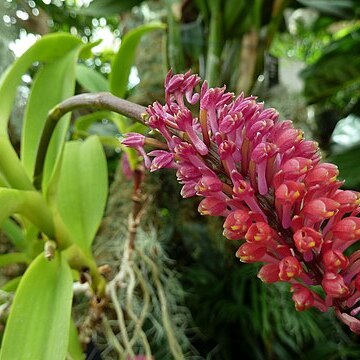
(268,183)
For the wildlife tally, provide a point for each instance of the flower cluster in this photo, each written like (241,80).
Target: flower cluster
(267,181)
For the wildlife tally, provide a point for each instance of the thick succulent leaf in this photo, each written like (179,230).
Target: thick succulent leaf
(90,79)
(124,59)
(29,204)
(82,189)
(47,49)
(39,320)
(53,83)
(337,70)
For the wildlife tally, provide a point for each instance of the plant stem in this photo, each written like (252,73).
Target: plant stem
(215,44)
(135,215)
(99,101)
(78,260)
(276,16)
(175,50)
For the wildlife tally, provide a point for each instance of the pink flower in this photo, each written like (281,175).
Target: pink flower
(268,183)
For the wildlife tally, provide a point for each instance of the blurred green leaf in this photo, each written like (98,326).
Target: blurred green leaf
(75,351)
(13,231)
(232,12)
(11,285)
(337,70)
(349,166)
(39,320)
(339,8)
(82,189)
(98,8)
(90,79)
(13,258)
(124,59)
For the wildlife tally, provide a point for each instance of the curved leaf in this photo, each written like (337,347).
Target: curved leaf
(75,351)
(47,49)
(53,83)
(39,320)
(13,258)
(90,79)
(124,59)
(29,204)
(14,233)
(82,189)
(99,8)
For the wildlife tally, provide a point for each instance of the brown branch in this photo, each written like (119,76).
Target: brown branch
(98,101)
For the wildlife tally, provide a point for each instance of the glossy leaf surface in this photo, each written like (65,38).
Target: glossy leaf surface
(124,59)
(38,325)
(82,189)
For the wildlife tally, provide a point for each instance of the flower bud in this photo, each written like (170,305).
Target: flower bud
(212,206)
(306,239)
(208,185)
(334,286)
(269,273)
(347,229)
(260,232)
(289,268)
(334,260)
(251,252)
(302,296)
(237,224)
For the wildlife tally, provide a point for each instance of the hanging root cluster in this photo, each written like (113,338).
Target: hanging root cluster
(145,295)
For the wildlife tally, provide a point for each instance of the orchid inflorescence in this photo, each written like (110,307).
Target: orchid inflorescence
(267,181)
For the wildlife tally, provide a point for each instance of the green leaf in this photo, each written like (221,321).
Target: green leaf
(124,59)
(336,71)
(47,49)
(12,171)
(99,8)
(75,351)
(83,123)
(82,189)
(14,233)
(349,166)
(39,320)
(90,79)
(13,258)
(29,204)
(53,83)
(339,8)
(11,285)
